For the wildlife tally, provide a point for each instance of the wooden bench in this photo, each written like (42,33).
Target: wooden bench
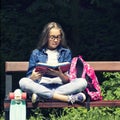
(12,67)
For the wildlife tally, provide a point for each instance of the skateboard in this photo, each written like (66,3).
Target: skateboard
(17,105)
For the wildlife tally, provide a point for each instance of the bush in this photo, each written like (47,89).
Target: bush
(110,87)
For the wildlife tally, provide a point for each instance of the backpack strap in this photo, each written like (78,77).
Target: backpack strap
(88,99)
(88,102)
(79,68)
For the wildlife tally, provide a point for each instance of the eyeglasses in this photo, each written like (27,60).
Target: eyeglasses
(52,37)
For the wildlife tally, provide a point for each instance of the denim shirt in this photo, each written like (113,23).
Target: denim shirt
(41,56)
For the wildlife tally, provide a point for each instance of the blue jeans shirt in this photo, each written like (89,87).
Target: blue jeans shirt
(41,56)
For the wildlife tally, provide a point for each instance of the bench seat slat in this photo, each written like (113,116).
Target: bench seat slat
(57,104)
(49,104)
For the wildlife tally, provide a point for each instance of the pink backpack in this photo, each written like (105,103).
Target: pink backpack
(79,68)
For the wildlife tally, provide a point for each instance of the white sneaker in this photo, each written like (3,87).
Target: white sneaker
(80,97)
(34,98)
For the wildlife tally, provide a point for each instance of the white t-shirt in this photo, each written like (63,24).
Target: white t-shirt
(52,56)
(52,59)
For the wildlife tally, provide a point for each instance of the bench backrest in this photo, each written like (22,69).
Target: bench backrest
(97,65)
(22,66)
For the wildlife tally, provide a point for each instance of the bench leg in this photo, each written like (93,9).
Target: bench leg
(6,109)
(8,84)
(6,115)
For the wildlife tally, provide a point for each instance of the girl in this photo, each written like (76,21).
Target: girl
(54,84)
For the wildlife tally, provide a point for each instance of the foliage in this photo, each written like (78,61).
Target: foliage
(94,31)
(103,113)
(37,115)
(111,86)
(93,114)
(1,117)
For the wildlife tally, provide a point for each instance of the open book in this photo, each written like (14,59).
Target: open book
(42,67)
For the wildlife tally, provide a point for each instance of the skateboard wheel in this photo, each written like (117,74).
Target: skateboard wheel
(11,95)
(24,95)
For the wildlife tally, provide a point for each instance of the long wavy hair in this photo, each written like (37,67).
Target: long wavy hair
(45,33)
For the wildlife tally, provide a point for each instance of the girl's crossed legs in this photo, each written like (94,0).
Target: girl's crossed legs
(54,91)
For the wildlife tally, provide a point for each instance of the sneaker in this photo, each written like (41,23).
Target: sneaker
(80,97)
(34,98)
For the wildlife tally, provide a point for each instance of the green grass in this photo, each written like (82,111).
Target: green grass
(81,113)
(103,113)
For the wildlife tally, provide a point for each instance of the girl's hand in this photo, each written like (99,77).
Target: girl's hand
(58,73)
(35,75)
(54,72)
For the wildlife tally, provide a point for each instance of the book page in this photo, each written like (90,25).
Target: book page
(53,64)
